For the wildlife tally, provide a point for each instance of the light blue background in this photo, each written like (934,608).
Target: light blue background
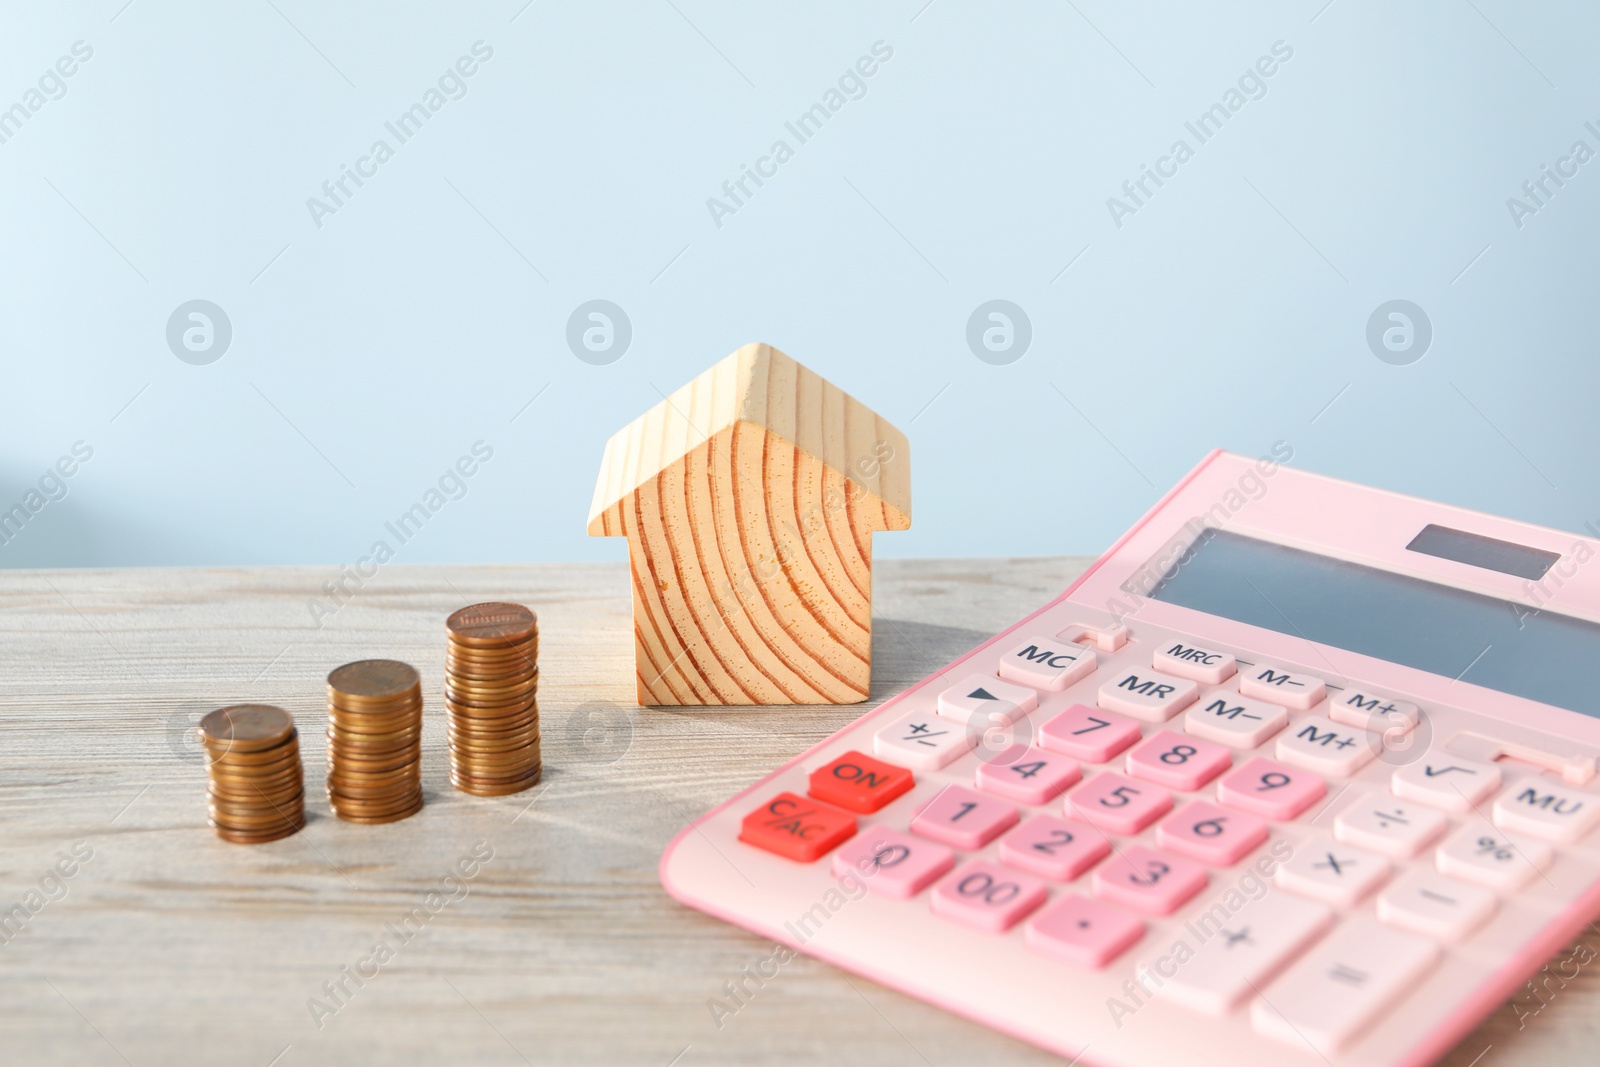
(372,352)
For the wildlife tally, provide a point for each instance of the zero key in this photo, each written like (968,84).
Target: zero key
(797,828)
(859,783)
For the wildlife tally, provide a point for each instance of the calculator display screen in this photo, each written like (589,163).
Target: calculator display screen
(1480,639)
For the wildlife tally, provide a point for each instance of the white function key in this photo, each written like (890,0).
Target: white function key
(1342,985)
(1147,695)
(1047,663)
(1293,689)
(1445,781)
(1230,719)
(1241,953)
(983,699)
(1482,854)
(1367,710)
(1322,745)
(1540,808)
(923,741)
(1194,662)
(1435,906)
(1384,824)
(1328,870)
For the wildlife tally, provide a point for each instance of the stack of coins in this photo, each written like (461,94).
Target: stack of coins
(375,741)
(491,693)
(257,791)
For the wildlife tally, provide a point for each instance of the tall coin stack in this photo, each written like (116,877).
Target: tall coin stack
(375,741)
(491,692)
(257,791)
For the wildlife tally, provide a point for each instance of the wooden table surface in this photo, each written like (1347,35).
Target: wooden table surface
(167,946)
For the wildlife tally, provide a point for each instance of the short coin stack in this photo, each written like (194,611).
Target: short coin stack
(257,790)
(375,741)
(491,692)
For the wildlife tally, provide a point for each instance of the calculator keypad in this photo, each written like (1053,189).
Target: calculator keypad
(1546,810)
(1148,881)
(1392,827)
(1088,733)
(1319,744)
(1057,849)
(1230,719)
(1205,832)
(987,897)
(1083,931)
(1146,695)
(961,817)
(1270,789)
(1117,803)
(1447,782)
(892,863)
(1027,775)
(1178,761)
(923,741)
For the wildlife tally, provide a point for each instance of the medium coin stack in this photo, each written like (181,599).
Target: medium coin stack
(257,791)
(375,741)
(491,692)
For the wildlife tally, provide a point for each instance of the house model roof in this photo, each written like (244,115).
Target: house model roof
(761,386)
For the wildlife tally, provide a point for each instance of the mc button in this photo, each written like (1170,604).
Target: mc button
(859,783)
(797,828)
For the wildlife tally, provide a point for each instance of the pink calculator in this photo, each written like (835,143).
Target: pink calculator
(1298,773)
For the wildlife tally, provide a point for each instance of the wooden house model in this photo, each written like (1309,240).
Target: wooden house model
(749,498)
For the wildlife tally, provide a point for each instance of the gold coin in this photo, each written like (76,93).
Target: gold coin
(259,839)
(356,810)
(516,658)
(258,797)
(373,679)
(496,622)
(246,727)
(489,694)
(480,745)
(343,768)
(501,762)
(488,788)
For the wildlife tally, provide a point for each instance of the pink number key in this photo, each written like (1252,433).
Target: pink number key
(1143,879)
(1088,734)
(1270,789)
(892,863)
(1026,774)
(1205,832)
(1053,848)
(1178,761)
(1118,804)
(960,817)
(987,897)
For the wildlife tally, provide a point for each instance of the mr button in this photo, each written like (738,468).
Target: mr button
(857,782)
(796,828)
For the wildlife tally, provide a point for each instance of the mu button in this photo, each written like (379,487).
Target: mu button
(857,782)
(797,828)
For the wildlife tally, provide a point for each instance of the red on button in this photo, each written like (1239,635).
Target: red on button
(796,827)
(857,782)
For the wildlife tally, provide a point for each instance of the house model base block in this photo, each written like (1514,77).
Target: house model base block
(749,499)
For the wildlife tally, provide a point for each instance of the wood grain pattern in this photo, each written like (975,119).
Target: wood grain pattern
(172,948)
(749,499)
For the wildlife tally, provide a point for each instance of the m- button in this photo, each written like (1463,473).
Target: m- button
(1293,689)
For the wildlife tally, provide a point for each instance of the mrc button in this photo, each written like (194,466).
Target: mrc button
(857,782)
(797,827)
